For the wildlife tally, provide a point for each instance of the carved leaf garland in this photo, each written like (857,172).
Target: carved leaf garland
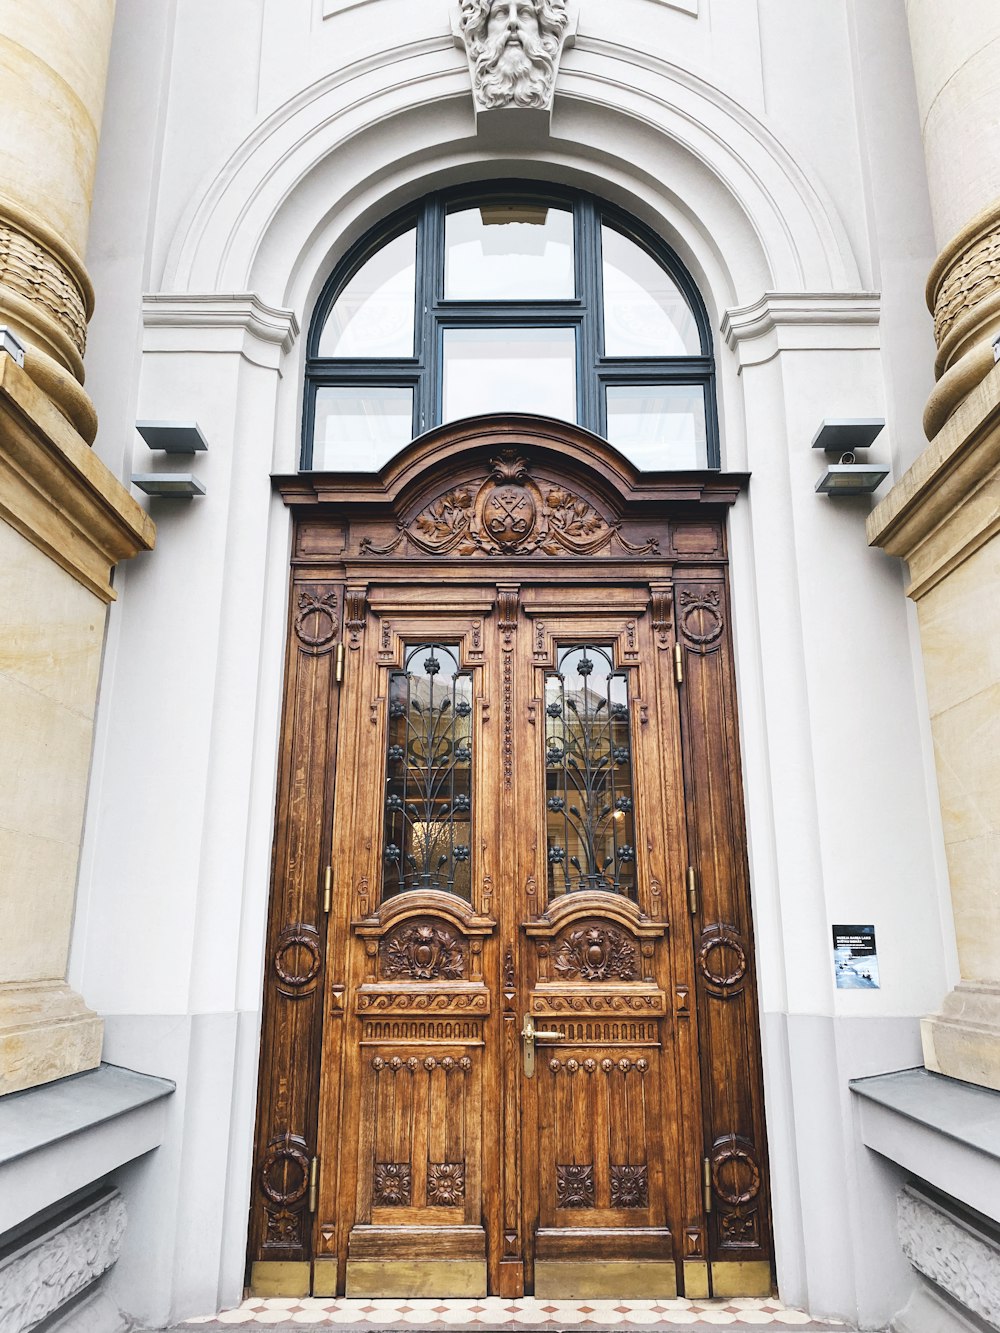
(508,513)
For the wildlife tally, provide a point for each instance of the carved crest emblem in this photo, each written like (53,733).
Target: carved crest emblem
(509,514)
(595,953)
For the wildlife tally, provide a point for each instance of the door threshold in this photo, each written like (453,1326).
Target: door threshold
(493,1314)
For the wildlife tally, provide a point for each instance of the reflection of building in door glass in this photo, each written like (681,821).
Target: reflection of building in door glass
(855,958)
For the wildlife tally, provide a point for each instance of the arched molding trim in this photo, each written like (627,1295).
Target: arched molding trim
(395,122)
(448,456)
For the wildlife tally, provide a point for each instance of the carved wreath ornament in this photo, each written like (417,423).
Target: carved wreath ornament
(509,513)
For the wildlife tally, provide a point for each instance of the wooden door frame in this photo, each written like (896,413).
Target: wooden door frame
(595,518)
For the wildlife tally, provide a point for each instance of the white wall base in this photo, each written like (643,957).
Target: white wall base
(930,1311)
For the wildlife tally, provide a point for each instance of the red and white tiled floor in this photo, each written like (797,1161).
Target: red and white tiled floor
(494,1312)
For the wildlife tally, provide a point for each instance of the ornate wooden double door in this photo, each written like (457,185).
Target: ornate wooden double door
(510,1025)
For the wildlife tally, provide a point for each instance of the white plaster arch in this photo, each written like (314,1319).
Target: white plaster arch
(386,126)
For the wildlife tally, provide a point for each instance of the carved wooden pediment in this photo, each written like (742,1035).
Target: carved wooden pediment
(509,513)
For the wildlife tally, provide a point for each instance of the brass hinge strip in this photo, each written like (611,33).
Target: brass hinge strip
(328,890)
(706,1181)
(678,664)
(692,888)
(339,669)
(313,1184)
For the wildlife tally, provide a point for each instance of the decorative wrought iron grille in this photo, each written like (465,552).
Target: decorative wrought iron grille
(588,766)
(428,785)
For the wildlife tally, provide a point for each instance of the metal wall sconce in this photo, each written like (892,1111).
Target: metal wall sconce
(171,437)
(844,436)
(12,345)
(168,485)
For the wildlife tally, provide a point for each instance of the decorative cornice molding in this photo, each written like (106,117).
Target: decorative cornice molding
(40,1277)
(782,321)
(58,494)
(775,309)
(941,511)
(218,322)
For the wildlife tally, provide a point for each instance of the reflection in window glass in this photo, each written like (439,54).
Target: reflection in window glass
(359,428)
(509,370)
(428,782)
(373,315)
(509,252)
(658,426)
(590,833)
(645,313)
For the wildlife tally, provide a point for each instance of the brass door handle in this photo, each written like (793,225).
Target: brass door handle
(529,1035)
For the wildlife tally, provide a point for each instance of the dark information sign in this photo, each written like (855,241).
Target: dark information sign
(855,958)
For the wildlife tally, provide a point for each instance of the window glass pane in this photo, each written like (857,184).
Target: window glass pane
(658,426)
(588,775)
(509,370)
(373,315)
(645,313)
(359,429)
(509,252)
(428,783)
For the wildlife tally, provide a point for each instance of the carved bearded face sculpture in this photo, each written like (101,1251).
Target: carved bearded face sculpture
(514,47)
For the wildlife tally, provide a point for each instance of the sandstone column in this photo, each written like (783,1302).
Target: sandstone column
(64,523)
(943,516)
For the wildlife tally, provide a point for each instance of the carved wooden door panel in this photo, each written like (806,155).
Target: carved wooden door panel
(613,1098)
(510,1036)
(414,848)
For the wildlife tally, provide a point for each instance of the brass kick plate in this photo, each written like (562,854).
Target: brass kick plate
(280,1279)
(324,1277)
(695,1279)
(741,1279)
(415,1277)
(562,1279)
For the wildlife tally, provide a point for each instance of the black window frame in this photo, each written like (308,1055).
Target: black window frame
(433,314)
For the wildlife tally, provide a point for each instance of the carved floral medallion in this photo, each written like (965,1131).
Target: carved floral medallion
(445,1184)
(391,1185)
(574,1186)
(629,1187)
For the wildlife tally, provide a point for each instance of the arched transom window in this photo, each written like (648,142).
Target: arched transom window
(510,300)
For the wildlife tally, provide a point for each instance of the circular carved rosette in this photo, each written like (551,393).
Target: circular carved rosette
(735,1173)
(722,957)
(700,616)
(284,1171)
(297,961)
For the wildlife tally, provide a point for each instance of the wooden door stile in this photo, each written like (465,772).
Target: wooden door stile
(294,982)
(735,1147)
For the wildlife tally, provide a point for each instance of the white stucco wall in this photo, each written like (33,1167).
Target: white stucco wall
(247,143)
